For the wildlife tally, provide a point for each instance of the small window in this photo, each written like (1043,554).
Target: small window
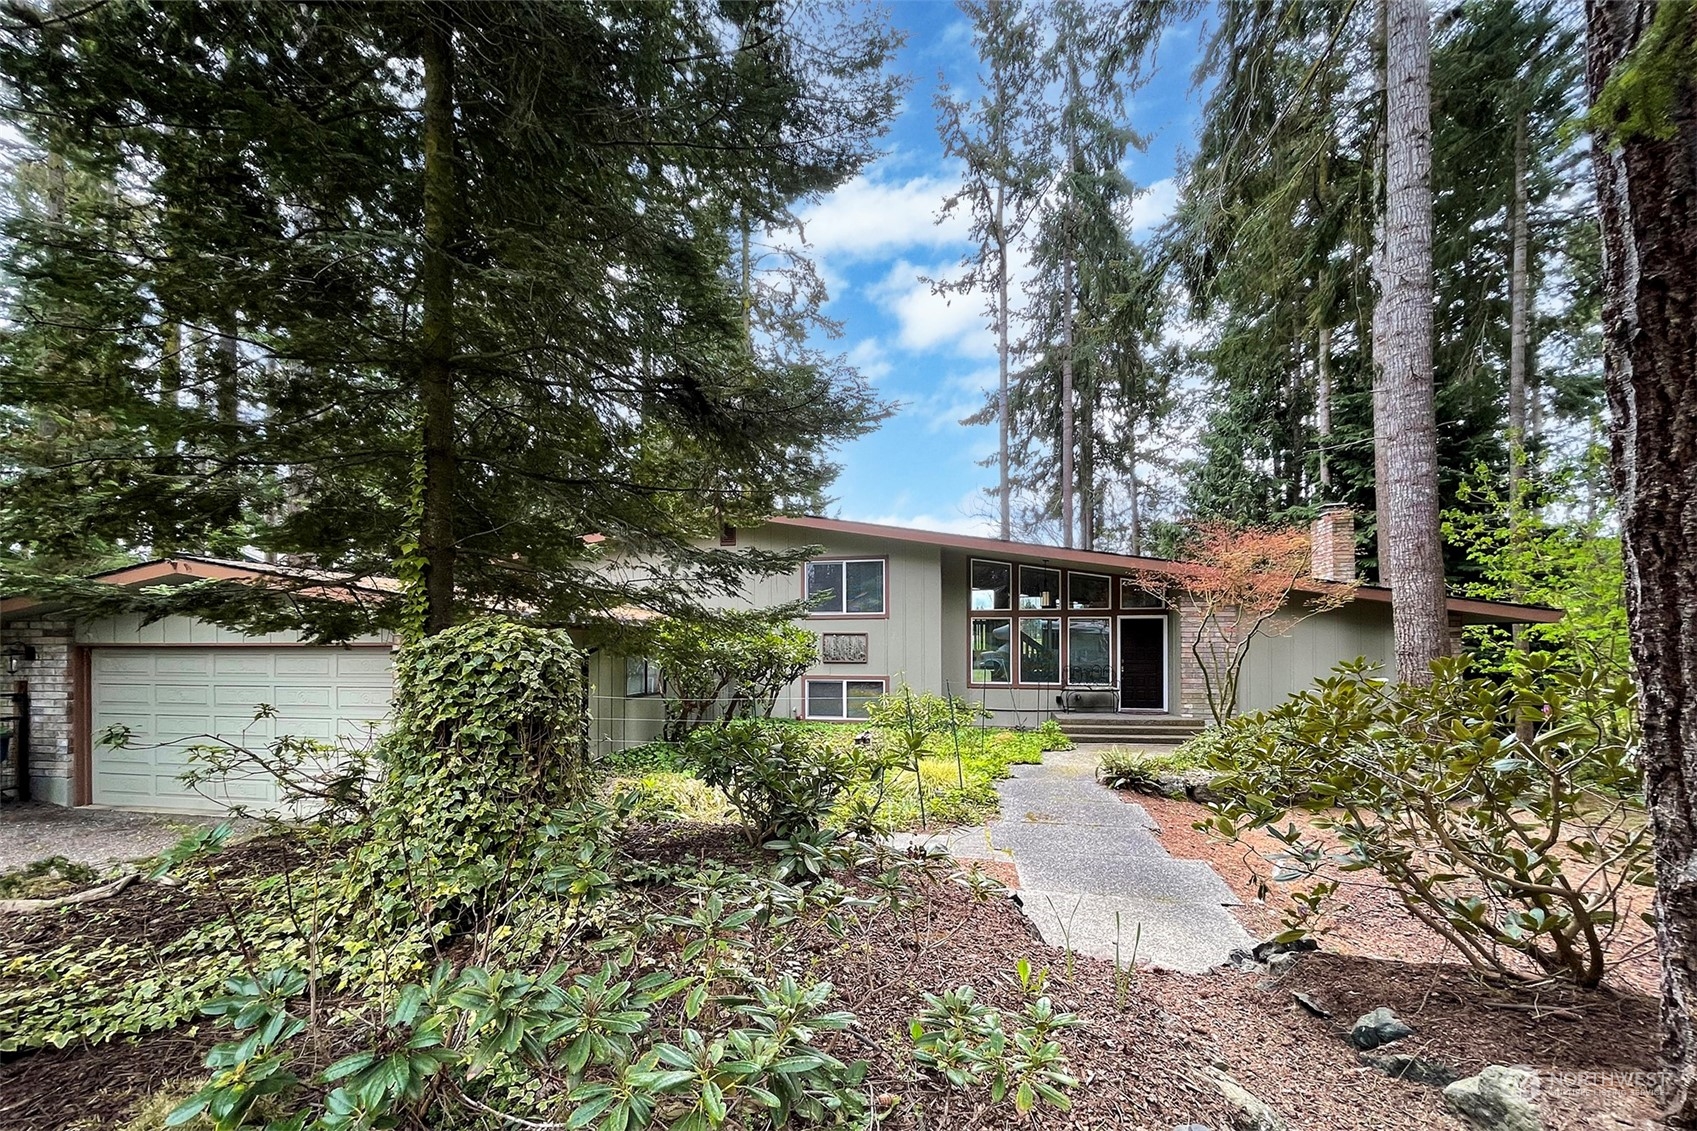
(642,677)
(852,587)
(839,699)
(992,650)
(1040,650)
(992,585)
(1089,591)
(1134,596)
(1088,651)
(1039,588)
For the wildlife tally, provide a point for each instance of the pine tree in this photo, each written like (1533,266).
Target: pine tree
(992,136)
(1642,79)
(477,262)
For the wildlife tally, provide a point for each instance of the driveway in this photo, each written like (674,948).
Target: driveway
(34,831)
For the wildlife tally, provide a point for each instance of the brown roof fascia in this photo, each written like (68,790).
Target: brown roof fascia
(1470,610)
(197,569)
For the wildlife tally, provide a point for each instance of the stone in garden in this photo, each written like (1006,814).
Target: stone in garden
(1498,1099)
(1379,1027)
(1414,1069)
(1248,1112)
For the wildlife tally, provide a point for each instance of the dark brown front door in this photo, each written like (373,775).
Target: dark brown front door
(1143,663)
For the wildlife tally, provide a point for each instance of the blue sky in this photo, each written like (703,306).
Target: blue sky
(875,237)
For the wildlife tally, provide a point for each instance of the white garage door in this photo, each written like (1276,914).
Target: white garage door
(171,698)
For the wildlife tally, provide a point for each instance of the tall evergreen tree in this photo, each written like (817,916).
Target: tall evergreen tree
(1641,74)
(992,136)
(477,263)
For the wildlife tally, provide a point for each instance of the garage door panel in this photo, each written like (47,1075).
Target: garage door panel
(306,663)
(372,663)
(243,661)
(173,698)
(178,694)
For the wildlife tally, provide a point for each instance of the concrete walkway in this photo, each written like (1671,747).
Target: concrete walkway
(1083,856)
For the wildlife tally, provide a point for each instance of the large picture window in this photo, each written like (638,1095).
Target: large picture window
(1039,588)
(1040,650)
(1089,591)
(846,587)
(992,586)
(992,650)
(1089,651)
(839,699)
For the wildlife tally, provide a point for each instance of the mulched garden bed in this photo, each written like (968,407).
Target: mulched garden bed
(1140,1055)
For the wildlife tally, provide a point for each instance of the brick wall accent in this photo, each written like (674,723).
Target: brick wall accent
(1333,544)
(49,677)
(1192,701)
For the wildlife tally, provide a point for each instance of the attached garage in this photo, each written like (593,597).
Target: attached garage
(167,699)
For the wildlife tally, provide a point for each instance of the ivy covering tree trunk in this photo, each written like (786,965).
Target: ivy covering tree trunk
(1642,77)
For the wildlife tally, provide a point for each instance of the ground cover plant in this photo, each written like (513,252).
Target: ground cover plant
(956,770)
(483,933)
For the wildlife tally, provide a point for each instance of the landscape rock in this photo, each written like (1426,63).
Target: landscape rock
(1414,1069)
(1498,1099)
(1279,963)
(1379,1027)
(1262,951)
(1248,1112)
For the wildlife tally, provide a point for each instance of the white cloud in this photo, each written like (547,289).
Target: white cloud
(928,321)
(971,515)
(1155,204)
(868,218)
(870,359)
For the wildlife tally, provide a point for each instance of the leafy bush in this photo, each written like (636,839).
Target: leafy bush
(650,757)
(1515,849)
(1052,737)
(903,708)
(732,667)
(781,781)
(1143,772)
(662,796)
(969,1045)
(487,741)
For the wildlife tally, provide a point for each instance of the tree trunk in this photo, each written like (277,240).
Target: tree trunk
(1067,471)
(226,359)
(1323,407)
(436,330)
(1134,513)
(1518,306)
(1647,197)
(1408,429)
(1004,492)
(1087,470)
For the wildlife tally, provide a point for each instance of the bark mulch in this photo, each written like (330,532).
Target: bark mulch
(1146,1040)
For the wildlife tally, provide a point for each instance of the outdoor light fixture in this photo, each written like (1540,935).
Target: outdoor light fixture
(16,652)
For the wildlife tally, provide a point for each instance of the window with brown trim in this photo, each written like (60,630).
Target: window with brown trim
(992,586)
(1089,591)
(838,587)
(992,651)
(1039,587)
(839,700)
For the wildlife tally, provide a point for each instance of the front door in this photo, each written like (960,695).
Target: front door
(1143,663)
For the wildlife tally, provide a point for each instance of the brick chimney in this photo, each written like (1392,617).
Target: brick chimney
(1333,540)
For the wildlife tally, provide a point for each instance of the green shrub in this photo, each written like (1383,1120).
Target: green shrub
(903,708)
(487,741)
(1143,772)
(1052,736)
(777,777)
(650,757)
(1513,849)
(731,667)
